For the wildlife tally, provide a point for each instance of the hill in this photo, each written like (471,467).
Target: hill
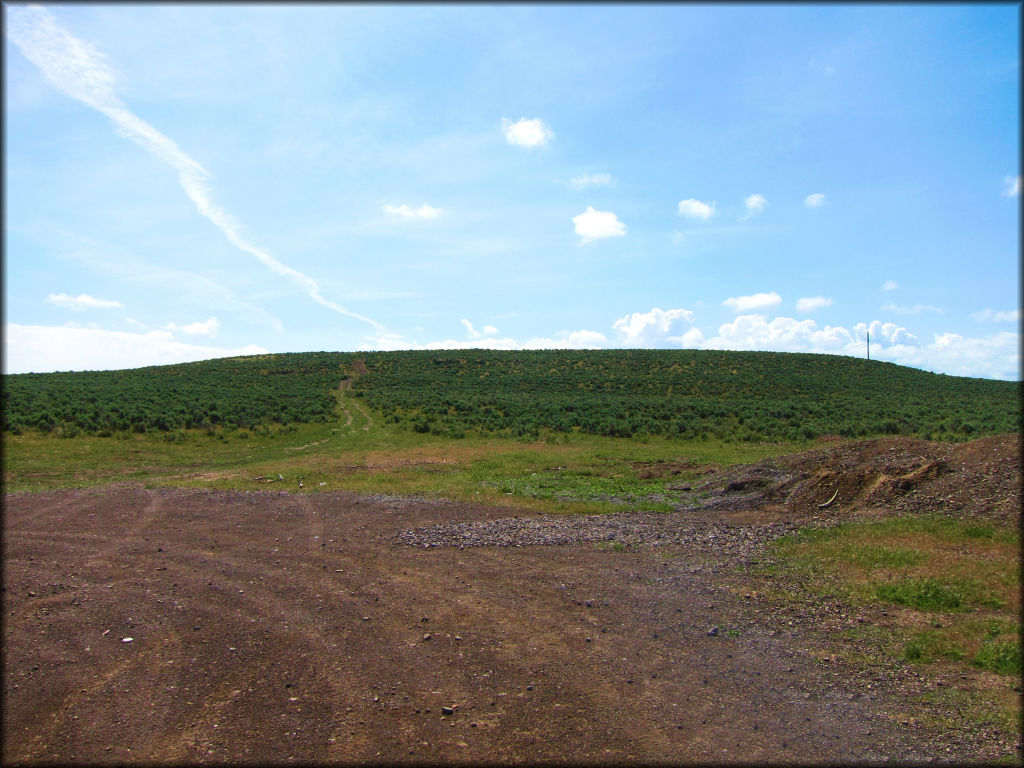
(735,396)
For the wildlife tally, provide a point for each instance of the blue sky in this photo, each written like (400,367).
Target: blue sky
(192,181)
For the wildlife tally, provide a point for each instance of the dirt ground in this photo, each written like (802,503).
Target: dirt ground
(264,627)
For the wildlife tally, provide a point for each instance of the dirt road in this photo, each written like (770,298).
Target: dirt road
(199,626)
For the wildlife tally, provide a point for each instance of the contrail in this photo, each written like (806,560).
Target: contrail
(85,73)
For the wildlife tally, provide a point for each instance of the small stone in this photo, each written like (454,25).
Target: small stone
(426,636)
(445,711)
(127,639)
(713,632)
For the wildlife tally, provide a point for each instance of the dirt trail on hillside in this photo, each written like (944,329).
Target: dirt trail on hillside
(272,627)
(344,387)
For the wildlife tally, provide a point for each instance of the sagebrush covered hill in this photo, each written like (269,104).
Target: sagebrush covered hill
(744,396)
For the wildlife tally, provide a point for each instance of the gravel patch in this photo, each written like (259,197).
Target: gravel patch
(628,528)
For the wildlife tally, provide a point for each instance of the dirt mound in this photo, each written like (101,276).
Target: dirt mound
(884,476)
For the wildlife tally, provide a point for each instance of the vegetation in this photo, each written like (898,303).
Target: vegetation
(680,394)
(232,393)
(744,396)
(955,584)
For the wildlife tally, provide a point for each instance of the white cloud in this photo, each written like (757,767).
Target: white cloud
(81,302)
(989,315)
(889,332)
(995,356)
(207,327)
(408,212)
(582,339)
(569,340)
(781,334)
(527,133)
(658,328)
(815,201)
(1011,186)
(597,225)
(754,204)
(592,180)
(917,309)
(40,349)
(890,285)
(748,303)
(695,209)
(85,73)
(812,303)
(488,330)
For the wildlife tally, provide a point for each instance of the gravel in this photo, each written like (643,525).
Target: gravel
(651,529)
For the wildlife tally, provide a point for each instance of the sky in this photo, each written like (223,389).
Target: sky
(189,181)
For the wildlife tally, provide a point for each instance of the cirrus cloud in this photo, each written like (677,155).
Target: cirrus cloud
(83,72)
(815,201)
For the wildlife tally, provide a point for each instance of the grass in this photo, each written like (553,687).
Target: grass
(571,473)
(954,584)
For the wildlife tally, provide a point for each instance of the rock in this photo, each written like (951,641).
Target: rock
(713,632)
(447,711)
